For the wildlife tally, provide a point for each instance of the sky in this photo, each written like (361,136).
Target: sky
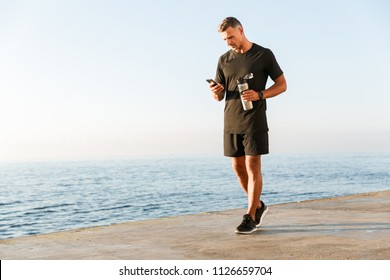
(101,79)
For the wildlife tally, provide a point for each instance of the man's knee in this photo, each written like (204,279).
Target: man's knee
(239,165)
(253,165)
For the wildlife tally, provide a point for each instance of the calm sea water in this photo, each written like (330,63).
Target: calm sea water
(44,197)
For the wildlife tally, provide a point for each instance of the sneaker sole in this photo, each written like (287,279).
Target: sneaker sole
(262,217)
(246,232)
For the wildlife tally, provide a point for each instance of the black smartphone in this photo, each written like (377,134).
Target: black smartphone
(211,81)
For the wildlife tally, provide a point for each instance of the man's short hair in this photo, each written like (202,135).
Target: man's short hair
(228,22)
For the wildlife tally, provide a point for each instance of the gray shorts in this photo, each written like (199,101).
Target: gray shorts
(250,144)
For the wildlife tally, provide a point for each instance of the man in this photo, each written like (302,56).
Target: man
(246,132)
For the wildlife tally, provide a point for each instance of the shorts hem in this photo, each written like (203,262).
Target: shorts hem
(239,155)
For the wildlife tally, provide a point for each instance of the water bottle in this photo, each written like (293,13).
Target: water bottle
(243,86)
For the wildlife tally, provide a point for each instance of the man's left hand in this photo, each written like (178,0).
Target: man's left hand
(250,95)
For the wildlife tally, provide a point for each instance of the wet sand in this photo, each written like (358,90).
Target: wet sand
(351,227)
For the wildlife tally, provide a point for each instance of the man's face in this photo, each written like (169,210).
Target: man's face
(233,37)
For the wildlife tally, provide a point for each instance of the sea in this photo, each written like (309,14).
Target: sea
(52,196)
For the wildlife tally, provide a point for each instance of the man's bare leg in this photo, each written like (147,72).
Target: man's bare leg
(255,183)
(248,171)
(239,168)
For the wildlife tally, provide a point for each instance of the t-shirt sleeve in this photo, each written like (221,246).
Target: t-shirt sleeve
(273,68)
(219,76)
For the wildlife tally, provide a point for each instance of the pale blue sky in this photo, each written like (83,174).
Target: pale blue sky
(85,79)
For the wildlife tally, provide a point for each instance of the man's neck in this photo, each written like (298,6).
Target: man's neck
(246,46)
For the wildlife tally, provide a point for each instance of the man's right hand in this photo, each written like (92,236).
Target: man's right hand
(218,91)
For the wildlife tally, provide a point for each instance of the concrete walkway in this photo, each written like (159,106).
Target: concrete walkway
(350,227)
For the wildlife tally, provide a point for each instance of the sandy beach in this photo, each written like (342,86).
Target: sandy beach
(355,227)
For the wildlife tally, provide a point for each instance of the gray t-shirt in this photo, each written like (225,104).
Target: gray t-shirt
(232,66)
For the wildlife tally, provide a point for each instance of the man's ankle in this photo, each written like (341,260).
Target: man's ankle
(252,216)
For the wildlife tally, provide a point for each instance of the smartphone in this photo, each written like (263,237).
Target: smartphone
(211,81)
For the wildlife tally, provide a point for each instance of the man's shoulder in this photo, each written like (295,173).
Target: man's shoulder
(258,48)
(226,56)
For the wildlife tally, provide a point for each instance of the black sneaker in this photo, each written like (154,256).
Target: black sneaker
(247,225)
(260,214)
